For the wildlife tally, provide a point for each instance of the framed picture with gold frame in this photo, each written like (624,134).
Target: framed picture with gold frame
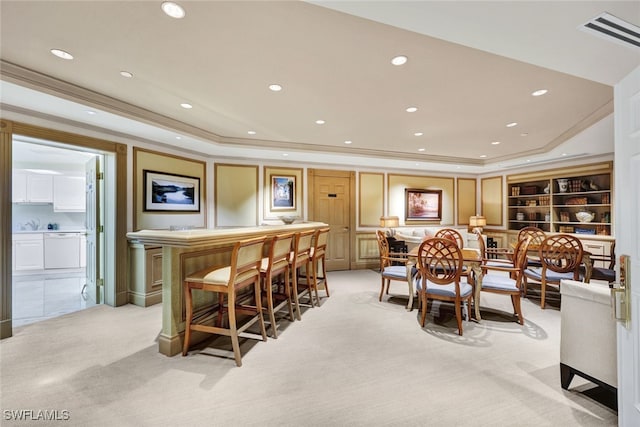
(423,204)
(282,190)
(283,193)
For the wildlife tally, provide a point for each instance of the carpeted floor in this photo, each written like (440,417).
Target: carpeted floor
(354,361)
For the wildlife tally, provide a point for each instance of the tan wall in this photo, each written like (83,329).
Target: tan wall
(396,188)
(236,195)
(170,164)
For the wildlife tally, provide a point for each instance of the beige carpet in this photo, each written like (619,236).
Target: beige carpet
(354,361)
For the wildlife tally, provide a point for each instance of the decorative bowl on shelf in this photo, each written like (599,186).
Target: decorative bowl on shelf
(288,219)
(585,216)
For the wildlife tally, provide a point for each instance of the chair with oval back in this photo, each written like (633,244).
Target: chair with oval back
(392,266)
(561,256)
(440,277)
(533,260)
(507,279)
(451,233)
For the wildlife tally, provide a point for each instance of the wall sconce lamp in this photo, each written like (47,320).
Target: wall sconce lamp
(390,222)
(476,223)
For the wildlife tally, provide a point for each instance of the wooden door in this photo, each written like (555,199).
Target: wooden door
(331,202)
(627,226)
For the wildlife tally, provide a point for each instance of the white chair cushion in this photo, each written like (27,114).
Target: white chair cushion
(536,274)
(395,272)
(445,290)
(219,276)
(498,282)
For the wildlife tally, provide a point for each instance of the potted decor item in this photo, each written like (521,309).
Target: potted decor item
(563,185)
(585,216)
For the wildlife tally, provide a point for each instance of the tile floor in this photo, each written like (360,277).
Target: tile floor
(40,297)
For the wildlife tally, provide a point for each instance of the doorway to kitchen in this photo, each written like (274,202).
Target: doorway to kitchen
(56,209)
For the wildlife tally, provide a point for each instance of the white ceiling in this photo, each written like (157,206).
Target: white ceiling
(472,67)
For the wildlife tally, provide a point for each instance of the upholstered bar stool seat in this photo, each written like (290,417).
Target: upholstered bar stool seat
(299,264)
(317,260)
(242,273)
(275,266)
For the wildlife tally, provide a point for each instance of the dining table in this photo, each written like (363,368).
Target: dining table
(471,258)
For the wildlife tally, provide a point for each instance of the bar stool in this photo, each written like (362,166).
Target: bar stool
(274,265)
(242,273)
(300,257)
(317,255)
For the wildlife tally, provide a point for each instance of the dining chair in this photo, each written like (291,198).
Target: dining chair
(506,278)
(317,258)
(300,267)
(393,265)
(561,256)
(243,272)
(490,260)
(533,260)
(451,233)
(440,277)
(605,270)
(275,267)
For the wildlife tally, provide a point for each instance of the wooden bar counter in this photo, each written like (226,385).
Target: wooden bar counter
(186,251)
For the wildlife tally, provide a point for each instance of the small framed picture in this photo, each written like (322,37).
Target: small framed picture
(283,193)
(165,192)
(423,204)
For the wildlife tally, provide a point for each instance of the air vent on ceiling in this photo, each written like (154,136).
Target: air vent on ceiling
(614,29)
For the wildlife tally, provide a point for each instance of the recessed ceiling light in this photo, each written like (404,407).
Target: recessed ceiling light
(495,143)
(418,134)
(528,160)
(275,87)
(512,124)
(91,113)
(524,134)
(411,109)
(187,106)
(320,122)
(126,74)
(347,142)
(172,9)
(421,149)
(61,54)
(251,132)
(285,154)
(399,60)
(564,154)
(178,137)
(483,156)
(539,92)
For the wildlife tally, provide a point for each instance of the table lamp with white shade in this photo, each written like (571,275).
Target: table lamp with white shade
(389,222)
(477,222)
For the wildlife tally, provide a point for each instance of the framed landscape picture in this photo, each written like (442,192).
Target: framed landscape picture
(164,192)
(283,193)
(423,204)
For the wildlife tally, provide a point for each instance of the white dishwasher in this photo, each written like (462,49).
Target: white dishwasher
(61,250)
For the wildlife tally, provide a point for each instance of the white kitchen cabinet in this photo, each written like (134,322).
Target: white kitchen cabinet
(69,193)
(28,251)
(32,187)
(61,250)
